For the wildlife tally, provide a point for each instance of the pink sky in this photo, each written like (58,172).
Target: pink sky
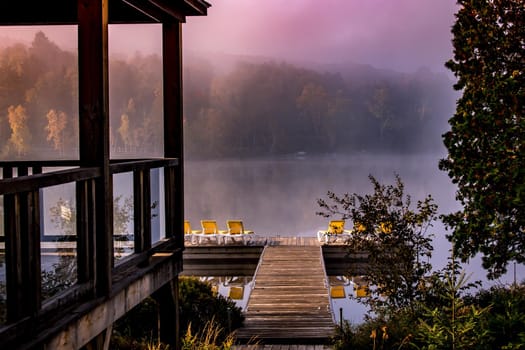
(399,34)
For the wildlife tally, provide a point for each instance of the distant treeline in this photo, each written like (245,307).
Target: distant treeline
(278,108)
(256,109)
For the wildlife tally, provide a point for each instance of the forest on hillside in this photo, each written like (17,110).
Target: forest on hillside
(254,109)
(279,108)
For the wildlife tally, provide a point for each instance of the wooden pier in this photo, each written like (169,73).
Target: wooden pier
(289,303)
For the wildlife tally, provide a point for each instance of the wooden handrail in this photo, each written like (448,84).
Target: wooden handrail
(143,164)
(37,181)
(34,182)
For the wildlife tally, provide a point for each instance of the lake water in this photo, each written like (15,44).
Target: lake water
(277,196)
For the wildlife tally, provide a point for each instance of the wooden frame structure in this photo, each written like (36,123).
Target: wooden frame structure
(81,317)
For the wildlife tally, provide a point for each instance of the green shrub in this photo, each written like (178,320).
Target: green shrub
(376,333)
(136,328)
(505,322)
(200,309)
(199,306)
(453,324)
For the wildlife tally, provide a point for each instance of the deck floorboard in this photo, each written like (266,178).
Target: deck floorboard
(289,303)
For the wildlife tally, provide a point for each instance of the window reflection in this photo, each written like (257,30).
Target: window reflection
(135,89)
(158,223)
(123,230)
(58,246)
(39,99)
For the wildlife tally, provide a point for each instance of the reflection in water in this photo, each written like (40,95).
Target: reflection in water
(237,288)
(344,292)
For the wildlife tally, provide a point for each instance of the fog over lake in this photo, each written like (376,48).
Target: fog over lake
(278,196)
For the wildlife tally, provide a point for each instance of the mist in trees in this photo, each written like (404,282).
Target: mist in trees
(39,103)
(273,108)
(255,108)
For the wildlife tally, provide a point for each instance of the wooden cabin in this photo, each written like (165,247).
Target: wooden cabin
(81,315)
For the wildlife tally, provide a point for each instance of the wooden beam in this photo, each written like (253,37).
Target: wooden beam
(25,12)
(38,181)
(56,12)
(94,127)
(173,135)
(167,299)
(80,326)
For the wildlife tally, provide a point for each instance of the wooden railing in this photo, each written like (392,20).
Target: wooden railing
(21,186)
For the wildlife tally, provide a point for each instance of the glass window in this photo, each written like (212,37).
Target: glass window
(58,246)
(135,90)
(39,92)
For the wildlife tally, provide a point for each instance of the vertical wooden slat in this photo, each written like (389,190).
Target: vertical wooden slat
(142,210)
(86,253)
(12,255)
(22,235)
(173,134)
(33,282)
(13,252)
(94,127)
(37,170)
(22,171)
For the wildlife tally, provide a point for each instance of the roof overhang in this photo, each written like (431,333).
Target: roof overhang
(57,12)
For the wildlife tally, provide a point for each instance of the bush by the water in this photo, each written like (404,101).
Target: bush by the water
(199,305)
(200,309)
(489,319)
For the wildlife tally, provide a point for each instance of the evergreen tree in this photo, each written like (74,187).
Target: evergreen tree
(485,144)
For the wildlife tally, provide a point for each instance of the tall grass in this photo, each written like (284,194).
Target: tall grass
(208,338)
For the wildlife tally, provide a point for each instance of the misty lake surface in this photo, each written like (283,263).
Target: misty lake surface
(278,196)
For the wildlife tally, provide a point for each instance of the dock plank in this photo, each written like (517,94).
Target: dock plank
(289,303)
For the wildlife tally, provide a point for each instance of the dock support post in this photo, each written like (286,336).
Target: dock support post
(166,298)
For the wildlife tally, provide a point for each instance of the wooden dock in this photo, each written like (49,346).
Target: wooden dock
(289,303)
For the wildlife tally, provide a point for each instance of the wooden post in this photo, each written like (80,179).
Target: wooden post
(173,137)
(173,148)
(94,129)
(167,299)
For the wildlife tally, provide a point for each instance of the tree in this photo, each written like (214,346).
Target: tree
(124,132)
(56,123)
(486,151)
(380,107)
(452,324)
(20,139)
(394,237)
